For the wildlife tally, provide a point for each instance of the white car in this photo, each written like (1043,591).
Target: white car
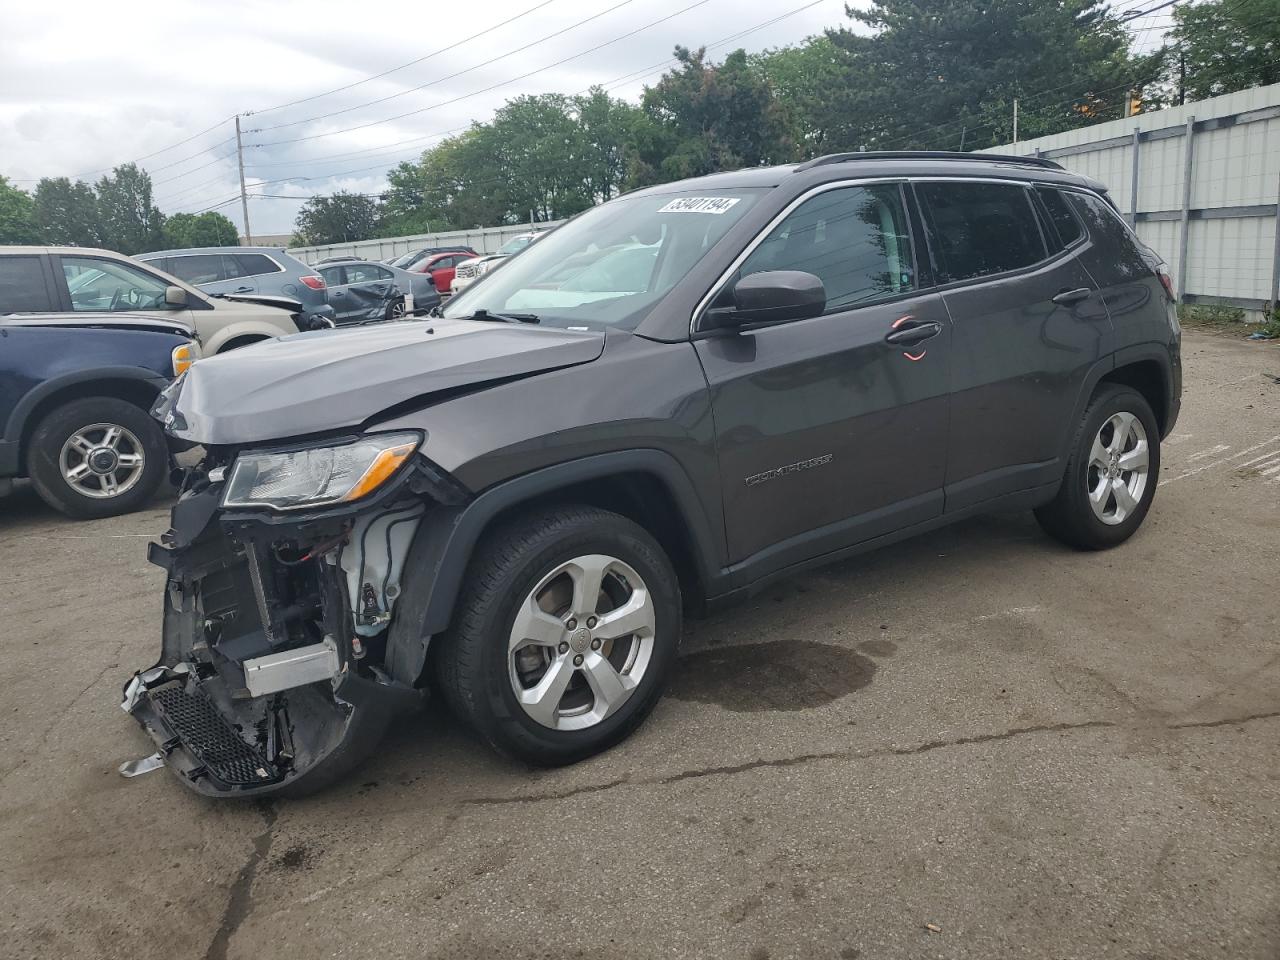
(469,271)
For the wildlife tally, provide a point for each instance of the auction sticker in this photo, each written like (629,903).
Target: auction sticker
(713,205)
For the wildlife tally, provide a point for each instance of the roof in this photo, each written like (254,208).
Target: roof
(192,250)
(881,164)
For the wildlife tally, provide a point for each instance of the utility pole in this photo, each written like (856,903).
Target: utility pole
(1015,124)
(244,197)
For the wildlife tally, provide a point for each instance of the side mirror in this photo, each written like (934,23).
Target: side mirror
(768,298)
(175,297)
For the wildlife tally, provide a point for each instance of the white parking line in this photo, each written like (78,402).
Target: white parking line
(1211,452)
(1265,456)
(1214,463)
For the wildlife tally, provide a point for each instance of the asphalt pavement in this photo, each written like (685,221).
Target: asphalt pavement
(977,744)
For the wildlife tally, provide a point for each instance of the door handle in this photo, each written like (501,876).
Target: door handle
(1067,297)
(243,290)
(912,332)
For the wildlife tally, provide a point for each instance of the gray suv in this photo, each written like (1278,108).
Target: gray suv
(741,376)
(219,271)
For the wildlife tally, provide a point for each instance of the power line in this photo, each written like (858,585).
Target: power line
(475,93)
(145,156)
(386,73)
(452,76)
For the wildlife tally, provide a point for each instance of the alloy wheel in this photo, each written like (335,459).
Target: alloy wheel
(581,642)
(102,460)
(1119,464)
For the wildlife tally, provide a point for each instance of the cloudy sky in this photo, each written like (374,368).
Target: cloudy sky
(92,87)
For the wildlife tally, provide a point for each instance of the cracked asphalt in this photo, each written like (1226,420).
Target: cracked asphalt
(976,744)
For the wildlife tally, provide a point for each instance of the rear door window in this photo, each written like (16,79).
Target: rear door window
(366,273)
(22,286)
(198,267)
(1060,215)
(981,229)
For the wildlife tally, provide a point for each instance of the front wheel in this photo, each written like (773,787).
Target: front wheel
(1111,473)
(97,457)
(564,636)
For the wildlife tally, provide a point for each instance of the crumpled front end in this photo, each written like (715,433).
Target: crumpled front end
(271,676)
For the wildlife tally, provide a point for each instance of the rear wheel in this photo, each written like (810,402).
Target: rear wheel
(97,457)
(395,309)
(565,634)
(1111,474)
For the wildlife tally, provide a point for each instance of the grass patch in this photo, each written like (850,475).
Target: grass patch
(1206,316)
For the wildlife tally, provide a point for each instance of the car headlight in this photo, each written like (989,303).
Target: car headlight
(318,476)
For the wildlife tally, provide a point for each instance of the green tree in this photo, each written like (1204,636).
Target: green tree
(802,78)
(936,72)
(17,215)
(208,229)
(67,212)
(337,218)
(130,222)
(1224,46)
(703,117)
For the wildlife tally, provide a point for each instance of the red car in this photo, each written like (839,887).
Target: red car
(441,266)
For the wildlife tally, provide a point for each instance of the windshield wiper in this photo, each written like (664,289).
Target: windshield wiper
(483,314)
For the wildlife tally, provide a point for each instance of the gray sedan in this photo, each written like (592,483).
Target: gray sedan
(360,290)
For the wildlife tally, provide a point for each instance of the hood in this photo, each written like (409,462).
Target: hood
(336,379)
(265,299)
(108,320)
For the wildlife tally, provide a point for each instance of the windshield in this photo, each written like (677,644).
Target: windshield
(409,259)
(610,265)
(514,245)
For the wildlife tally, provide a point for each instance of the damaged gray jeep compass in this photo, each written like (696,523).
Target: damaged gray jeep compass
(662,405)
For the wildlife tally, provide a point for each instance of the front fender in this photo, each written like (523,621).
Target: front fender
(219,337)
(31,400)
(447,538)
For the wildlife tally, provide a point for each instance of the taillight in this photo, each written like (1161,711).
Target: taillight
(312,281)
(1168,284)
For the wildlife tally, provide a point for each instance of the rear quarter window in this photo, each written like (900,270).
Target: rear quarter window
(981,229)
(255,264)
(1119,260)
(1060,215)
(22,286)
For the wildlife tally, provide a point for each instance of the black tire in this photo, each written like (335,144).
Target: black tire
(45,448)
(471,666)
(392,308)
(1069,516)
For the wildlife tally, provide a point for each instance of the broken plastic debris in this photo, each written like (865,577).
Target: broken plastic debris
(136,768)
(933,928)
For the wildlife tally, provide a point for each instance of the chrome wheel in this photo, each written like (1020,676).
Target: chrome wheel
(581,642)
(1119,462)
(397,310)
(102,460)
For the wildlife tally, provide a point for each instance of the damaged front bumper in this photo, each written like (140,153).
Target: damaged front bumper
(271,676)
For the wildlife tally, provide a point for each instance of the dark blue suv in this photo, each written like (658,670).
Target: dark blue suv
(75,398)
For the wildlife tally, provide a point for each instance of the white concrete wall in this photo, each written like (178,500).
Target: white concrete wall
(483,240)
(1235,165)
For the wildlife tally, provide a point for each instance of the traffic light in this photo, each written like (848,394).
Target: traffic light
(1133,106)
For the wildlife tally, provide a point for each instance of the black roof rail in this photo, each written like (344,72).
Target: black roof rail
(927,155)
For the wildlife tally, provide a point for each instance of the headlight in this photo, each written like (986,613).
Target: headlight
(184,355)
(317,476)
